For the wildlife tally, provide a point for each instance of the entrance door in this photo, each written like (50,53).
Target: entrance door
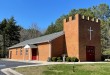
(90,53)
(34,53)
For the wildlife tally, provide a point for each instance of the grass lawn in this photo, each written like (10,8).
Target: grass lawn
(67,69)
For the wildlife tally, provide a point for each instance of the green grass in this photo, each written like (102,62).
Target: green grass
(64,69)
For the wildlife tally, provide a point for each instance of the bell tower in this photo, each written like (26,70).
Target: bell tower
(82,35)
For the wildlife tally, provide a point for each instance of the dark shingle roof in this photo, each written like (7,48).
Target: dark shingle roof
(41,39)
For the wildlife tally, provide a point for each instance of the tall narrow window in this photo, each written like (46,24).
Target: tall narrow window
(26,51)
(16,51)
(21,51)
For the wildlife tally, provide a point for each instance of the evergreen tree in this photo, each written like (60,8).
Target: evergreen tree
(10,32)
(51,29)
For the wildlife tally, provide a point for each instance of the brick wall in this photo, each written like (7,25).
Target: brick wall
(43,51)
(84,36)
(78,37)
(58,46)
(18,56)
(72,36)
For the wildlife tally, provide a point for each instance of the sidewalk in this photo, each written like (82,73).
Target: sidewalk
(45,62)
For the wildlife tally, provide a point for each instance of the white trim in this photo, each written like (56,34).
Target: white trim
(26,46)
(30,46)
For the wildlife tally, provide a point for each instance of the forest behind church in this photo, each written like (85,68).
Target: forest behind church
(11,33)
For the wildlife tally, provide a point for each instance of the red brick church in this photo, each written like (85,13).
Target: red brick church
(80,38)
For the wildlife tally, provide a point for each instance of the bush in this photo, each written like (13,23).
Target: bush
(54,59)
(68,59)
(58,58)
(102,58)
(74,59)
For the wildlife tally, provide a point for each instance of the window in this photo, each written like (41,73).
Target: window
(16,51)
(27,51)
(21,51)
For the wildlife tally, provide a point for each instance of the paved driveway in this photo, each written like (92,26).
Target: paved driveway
(9,64)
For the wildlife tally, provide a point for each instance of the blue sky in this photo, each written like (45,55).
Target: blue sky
(41,12)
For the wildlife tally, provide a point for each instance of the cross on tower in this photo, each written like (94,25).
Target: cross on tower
(90,30)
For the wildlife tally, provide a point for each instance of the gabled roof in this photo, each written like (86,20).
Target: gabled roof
(30,46)
(41,39)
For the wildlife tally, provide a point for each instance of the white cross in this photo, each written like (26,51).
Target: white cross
(90,30)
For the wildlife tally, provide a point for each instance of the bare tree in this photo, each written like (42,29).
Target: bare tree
(32,32)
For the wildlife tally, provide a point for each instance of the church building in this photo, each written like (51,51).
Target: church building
(80,38)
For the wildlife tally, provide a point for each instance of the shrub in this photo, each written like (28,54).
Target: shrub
(76,59)
(73,59)
(58,58)
(68,59)
(54,59)
(102,58)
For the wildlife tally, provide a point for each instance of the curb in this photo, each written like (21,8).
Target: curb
(25,61)
(9,71)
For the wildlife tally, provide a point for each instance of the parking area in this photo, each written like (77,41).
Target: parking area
(9,64)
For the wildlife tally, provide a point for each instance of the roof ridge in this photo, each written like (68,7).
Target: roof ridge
(45,38)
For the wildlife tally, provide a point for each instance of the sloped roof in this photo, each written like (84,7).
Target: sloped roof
(41,39)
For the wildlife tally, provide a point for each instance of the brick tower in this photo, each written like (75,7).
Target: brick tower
(82,35)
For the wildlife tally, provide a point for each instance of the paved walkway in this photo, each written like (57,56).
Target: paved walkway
(9,64)
(43,62)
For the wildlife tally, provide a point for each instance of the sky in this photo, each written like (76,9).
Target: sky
(41,12)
